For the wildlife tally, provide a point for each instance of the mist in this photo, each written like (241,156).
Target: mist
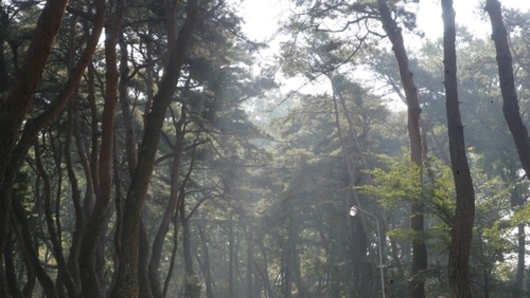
(267,150)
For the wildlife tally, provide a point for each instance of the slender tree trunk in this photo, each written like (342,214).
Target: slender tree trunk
(248,236)
(176,194)
(144,286)
(231,257)
(286,269)
(77,234)
(352,190)
(131,145)
(10,270)
(462,230)
(63,272)
(4,285)
(88,203)
(173,256)
(88,264)
(419,249)
(27,290)
(380,212)
(263,272)
(19,98)
(206,260)
(510,109)
(119,215)
(292,258)
(127,283)
(42,276)
(190,283)
(4,76)
(510,106)
(21,94)
(149,82)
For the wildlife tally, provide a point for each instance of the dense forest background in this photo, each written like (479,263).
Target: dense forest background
(148,150)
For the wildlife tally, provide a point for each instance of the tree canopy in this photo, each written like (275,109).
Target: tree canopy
(156,149)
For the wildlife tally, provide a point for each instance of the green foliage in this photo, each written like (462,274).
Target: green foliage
(269,182)
(396,183)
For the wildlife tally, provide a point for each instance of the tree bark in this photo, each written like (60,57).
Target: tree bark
(77,234)
(127,283)
(248,238)
(176,194)
(19,98)
(462,230)
(188,256)
(355,201)
(293,262)
(18,101)
(206,260)
(63,272)
(42,276)
(380,212)
(173,256)
(144,286)
(87,261)
(10,270)
(128,121)
(27,290)
(419,249)
(33,126)
(510,106)
(263,272)
(119,214)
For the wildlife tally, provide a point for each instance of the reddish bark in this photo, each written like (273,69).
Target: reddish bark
(20,95)
(127,282)
(97,218)
(19,98)
(175,194)
(419,250)
(13,110)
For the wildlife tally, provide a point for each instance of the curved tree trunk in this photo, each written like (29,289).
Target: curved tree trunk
(176,194)
(33,127)
(14,109)
(419,250)
(380,212)
(10,270)
(27,290)
(352,192)
(206,260)
(42,276)
(462,230)
(293,262)
(63,272)
(87,262)
(19,98)
(510,106)
(127,282)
